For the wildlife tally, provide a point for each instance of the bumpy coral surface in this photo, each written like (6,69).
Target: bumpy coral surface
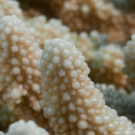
(44,29)
(31,114)
(88,15)
(26,128)
(70,100)
(19,75)
(108,62)
(10,7)
(22,41)
(20,78)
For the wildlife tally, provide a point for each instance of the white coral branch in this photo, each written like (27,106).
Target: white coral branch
(26,128)
(70,100)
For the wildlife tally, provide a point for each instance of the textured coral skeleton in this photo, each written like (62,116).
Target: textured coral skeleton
(20,78)
(26,128)
(44,31)
(18,58)
(23,34)
(106,66)
(10,7)
(75,105)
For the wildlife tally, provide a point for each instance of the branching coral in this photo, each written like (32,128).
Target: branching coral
(79,105)
(119,100)
(26,128)
(85,14)
(100,60)
(88,15)
(70,100)
(19,76)
(44,30)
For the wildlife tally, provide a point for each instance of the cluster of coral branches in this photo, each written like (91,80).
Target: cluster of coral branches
(51,54)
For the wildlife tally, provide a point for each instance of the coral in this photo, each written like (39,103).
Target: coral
(70,100)
(119,100)
(129,59)
(89,44)
(31,114)
(88,15)
(83,22)
(85,14)
(26,128)
(44,30)
(10,7)
(108,62)
(7,117)
(19,74)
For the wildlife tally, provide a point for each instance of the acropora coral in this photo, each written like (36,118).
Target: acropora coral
(92,35)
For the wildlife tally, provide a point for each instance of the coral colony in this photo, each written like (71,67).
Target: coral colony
(67,67)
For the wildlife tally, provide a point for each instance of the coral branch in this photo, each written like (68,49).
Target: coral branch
(10,7)
(70,100)
(26,128)
(19,57)
(20,78)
